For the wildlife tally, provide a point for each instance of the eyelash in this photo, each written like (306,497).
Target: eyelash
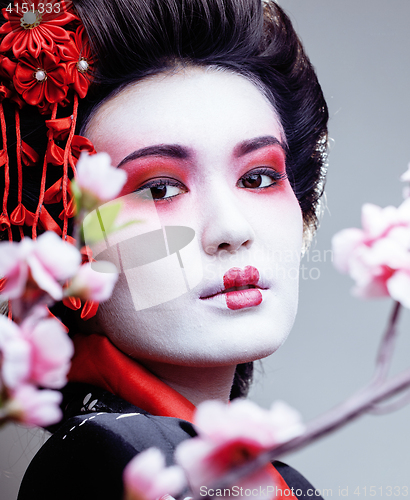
(273,174)
(160,183)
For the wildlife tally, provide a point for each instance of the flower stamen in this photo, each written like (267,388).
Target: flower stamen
(40,75)
(83,65)
(31,20)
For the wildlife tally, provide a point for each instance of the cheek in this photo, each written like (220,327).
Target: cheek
(156,266)
(278,218)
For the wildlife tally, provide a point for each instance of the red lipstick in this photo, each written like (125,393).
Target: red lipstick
(240,288)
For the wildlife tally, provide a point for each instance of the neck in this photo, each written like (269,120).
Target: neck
(195,384)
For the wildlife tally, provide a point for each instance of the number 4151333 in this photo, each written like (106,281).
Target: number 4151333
(42,8)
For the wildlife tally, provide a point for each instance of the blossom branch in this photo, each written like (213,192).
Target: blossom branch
(363,401)
(386,348)
(35,350)
(379,409)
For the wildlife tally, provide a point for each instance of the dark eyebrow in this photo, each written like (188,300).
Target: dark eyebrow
(167,150)
(251,145)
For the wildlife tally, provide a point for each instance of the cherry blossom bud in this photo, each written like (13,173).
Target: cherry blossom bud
(93,281)
(14,354)
(34,407)
(406,178)
(51,351)
(231,435)
(32,268)
(147,478)
(97,181)
(377,257)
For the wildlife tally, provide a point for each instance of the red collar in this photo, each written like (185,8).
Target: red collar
(97,361)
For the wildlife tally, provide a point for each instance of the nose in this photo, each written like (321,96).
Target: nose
(226,225)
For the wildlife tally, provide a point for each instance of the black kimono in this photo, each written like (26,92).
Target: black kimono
(99,435)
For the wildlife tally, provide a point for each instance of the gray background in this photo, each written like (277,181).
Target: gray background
(360,49)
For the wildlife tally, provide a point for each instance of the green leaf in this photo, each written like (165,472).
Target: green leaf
(101,222)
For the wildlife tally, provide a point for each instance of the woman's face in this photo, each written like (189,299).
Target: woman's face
(202,150)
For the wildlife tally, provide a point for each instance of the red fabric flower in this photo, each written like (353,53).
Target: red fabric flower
(77,55)
(80,144)
(3,157)
(89,307)
(37,29)
(7,70)
(60,127)
(29,156)
(4,222)
(40,81)
(4,94)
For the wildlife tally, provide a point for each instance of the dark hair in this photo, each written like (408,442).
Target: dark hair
(138,38)
(254,38)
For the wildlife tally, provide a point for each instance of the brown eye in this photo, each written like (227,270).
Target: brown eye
(159,192)
(259,179)
(161,189)
(252,181)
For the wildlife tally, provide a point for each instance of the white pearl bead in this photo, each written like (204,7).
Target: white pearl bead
(30,17)
(40,75)
(82,65)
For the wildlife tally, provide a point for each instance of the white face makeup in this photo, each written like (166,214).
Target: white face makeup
(206,146)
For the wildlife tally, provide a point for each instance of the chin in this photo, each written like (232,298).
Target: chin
(231,349)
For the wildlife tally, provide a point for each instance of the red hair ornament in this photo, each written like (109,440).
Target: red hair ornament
(45,62)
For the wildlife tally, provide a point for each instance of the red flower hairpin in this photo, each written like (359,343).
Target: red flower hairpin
(46,62)
(35,26)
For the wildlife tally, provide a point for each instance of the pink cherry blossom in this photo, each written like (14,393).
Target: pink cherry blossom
(231,435)
(399,287)
(14,354)
(98,180)
(406,178)
(34,267)
(32,406)
(147,478)
(94,281)
(372,256)
(50,351)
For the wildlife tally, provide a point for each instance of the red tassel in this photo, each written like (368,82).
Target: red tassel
(54,193)
(81,144)
(69,211)
(43,180)
(73,303)
(60,127)
(4,222)
(55,154)
(89,310)
(3,157)
(18,215)
(29,155)
(47,222)
(4,218)
(51,315)
(70,239)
